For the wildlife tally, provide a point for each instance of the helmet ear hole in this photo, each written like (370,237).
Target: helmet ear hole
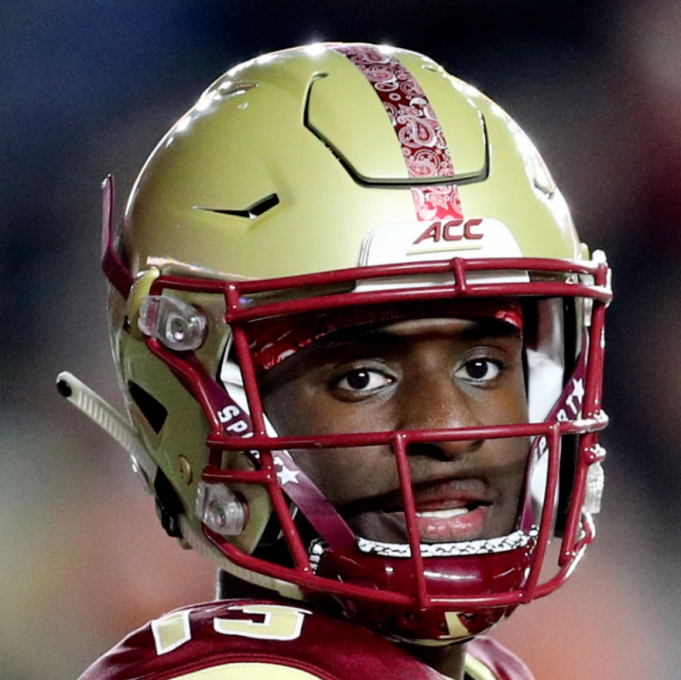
(168,505)
(153,410)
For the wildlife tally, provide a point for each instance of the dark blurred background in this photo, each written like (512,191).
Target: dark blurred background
(89,86)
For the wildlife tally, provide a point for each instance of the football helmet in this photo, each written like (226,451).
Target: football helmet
(323,182)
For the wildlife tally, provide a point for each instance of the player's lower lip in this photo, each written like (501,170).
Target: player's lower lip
(458,524)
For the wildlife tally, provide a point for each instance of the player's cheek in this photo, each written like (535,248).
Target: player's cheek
(293,411)
(333,471)
(509,403)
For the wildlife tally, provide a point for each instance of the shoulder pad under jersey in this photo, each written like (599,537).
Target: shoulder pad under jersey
(262,640)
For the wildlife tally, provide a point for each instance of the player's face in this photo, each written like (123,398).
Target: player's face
(410,375)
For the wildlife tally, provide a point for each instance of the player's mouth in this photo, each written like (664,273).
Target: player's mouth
(454,511)
(450,511)
(455,524)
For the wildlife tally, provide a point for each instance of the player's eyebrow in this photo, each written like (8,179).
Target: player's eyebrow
(340,344)
(477,330)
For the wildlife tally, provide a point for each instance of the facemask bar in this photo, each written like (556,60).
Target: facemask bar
(243,306)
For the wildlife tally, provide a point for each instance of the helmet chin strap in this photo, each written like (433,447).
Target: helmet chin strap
(481,546)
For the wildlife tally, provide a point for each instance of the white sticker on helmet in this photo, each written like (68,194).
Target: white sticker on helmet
(438,240)
(433,240)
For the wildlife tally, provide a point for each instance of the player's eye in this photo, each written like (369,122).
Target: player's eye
(479,370)
(362,381)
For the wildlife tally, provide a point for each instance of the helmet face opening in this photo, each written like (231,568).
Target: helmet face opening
(438,550)
(362,343)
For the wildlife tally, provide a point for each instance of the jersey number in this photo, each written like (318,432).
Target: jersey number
(278,623)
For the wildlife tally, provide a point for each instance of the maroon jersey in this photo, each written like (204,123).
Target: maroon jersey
(262,640)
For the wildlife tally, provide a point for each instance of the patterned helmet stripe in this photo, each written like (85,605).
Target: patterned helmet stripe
(418,130)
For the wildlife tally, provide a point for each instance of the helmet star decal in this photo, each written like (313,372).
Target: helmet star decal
(285,474)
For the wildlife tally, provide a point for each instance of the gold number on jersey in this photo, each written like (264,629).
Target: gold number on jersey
(280,623)
(456,628)
(171,631)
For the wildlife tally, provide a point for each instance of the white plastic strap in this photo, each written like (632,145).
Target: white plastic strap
(111,421)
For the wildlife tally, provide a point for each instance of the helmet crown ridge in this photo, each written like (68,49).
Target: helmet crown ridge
(318,189)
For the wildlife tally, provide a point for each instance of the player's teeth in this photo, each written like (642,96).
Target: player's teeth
(443,514)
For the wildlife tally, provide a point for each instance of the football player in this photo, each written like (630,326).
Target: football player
(361,346)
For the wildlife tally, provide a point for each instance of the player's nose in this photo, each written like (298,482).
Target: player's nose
(437,403)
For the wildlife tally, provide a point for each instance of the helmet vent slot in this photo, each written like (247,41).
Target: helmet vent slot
(256,210)
(152,409)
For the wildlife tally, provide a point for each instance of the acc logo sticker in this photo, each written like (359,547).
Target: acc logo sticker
(452,230)
(438,240)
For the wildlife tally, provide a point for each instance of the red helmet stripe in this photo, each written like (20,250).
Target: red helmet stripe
(418,130)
